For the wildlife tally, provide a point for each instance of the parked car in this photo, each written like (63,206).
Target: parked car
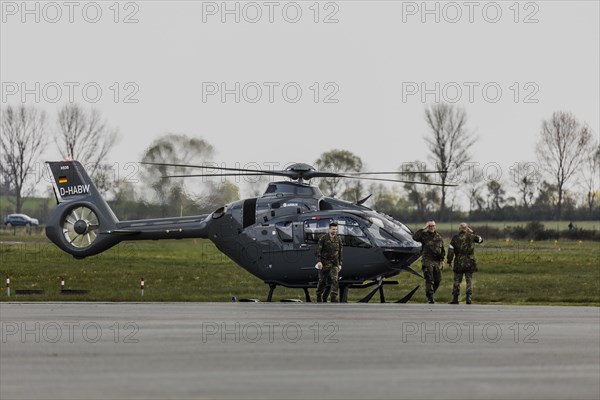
(20,220)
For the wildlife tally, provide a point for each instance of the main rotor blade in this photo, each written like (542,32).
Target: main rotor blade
(397,180)
(322,174)
(314,175)
(257,171)
(356,175)
(293,174)
(202,175)
(396,173)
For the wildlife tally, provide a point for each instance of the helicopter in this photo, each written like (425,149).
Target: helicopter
(274,237)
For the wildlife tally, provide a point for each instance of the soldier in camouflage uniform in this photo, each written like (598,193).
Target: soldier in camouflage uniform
(329,263)
(462,252)
(432,257)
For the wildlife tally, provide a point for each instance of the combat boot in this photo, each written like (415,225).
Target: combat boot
(454,299)
(430,299)
(334,299)
(326,294)
(319,299)
(468,298)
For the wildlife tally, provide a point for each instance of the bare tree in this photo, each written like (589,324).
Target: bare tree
(495,195)
(547,195)
(22,140)
(473,185)
(84,136)
(423,197)
(589,175)
(526,177)
(562,148)
(449,142)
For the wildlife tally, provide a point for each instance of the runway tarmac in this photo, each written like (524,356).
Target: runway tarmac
(290,350)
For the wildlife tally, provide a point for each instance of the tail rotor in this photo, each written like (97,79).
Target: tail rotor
(82,221)
(80,227)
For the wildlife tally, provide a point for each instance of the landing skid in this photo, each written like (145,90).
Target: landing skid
(273,286)
(345,287)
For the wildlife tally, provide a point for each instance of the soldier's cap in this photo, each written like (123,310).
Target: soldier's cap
(333,223)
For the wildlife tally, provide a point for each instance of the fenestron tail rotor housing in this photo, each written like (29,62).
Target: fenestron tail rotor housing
(80,227)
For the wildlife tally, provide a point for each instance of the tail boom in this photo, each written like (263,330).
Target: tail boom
(83,224)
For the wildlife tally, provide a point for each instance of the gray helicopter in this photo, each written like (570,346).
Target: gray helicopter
(273,237)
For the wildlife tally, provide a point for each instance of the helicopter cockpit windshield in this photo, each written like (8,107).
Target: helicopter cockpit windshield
(387,231)
(349,231)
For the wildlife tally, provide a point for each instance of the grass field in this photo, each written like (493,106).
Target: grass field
(513,272)
(481,225)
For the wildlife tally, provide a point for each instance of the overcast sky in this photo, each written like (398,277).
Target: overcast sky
(309,77)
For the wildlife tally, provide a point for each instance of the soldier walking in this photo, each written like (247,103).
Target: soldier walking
(329,264)
(432,257)
(462,252)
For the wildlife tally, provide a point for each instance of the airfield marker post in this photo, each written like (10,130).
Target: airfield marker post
(62,283)
(7,286)
(142,285)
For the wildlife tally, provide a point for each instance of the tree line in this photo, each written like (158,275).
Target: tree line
(563,183)
(78,134)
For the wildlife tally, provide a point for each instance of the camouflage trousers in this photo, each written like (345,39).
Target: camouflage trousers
(433,277)
(328,284)
(458,276)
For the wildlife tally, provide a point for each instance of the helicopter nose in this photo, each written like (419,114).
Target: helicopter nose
(404,253)
(403,256)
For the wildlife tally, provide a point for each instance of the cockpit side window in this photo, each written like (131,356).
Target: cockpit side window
(351,233)
(315,228)
(348,229)
(382,237)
